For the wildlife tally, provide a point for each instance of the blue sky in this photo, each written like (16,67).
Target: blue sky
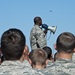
(20,14)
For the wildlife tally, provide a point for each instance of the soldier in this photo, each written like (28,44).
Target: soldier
(13,46)
(48,50)
(37,35)
(55,56)
(38,58)
(64,65)
(26,56)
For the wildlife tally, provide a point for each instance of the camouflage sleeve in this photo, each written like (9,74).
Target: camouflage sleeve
(33,39)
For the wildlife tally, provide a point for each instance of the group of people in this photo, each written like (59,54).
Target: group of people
(19,60)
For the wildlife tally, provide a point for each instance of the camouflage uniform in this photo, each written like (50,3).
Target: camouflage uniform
(50,72)
(16,68)
(26,63)
(49,63)
(37,38)
(61,67)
